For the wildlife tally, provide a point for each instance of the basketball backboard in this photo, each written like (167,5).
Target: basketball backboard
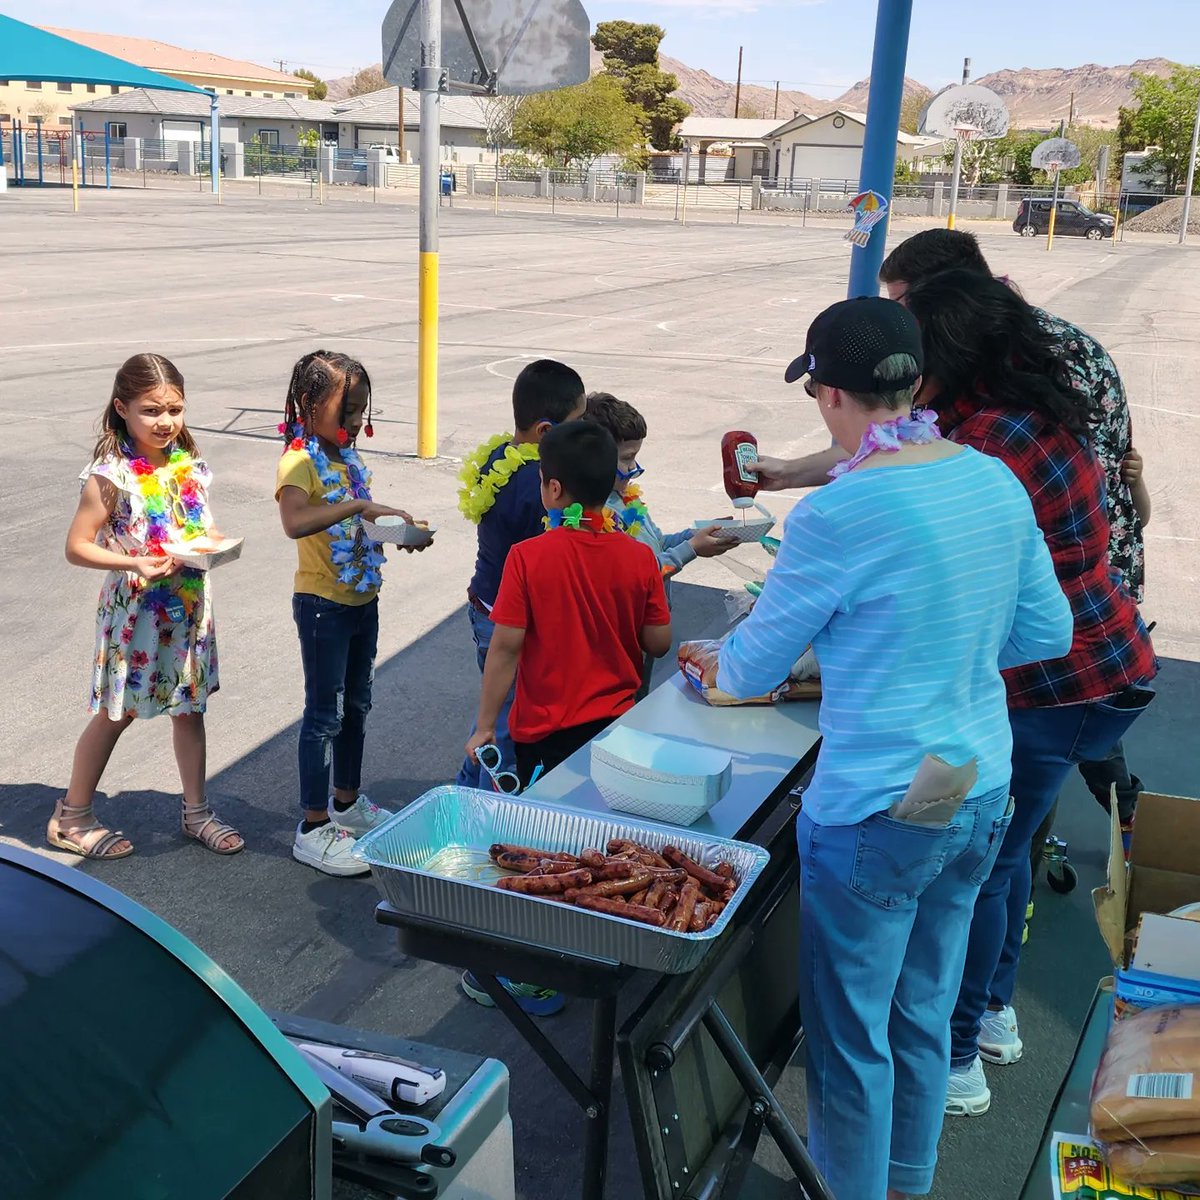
(965,110)
(1055,154)
(503,47)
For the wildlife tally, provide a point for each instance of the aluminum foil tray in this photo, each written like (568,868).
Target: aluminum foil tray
(431,859)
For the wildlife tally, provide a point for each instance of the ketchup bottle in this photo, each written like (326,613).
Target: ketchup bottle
(737,449)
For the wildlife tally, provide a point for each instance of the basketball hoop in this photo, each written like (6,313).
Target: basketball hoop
(966,132)
(1053,166)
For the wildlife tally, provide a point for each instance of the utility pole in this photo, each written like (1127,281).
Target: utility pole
(281,61)
(400,125)
(777,99)
(1071,112)
(737,95)
(1191,178)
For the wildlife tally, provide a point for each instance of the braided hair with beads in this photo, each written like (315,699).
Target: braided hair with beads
(314,378)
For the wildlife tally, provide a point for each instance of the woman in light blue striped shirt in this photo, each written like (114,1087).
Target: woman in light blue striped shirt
(916,576)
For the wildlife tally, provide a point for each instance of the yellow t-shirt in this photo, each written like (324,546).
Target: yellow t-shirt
(315,574)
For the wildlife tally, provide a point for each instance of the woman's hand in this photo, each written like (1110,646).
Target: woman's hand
(372,512)
(1131,468)
(152,568)
(710,542)
(774,474)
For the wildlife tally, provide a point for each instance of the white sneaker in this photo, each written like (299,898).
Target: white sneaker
(999,1041)
(361,817)
(967,1093)
(327,848)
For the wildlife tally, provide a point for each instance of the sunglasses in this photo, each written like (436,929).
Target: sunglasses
(810,387)
(505,782)
(636,473)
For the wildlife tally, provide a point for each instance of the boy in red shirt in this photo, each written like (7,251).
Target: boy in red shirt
(577,608)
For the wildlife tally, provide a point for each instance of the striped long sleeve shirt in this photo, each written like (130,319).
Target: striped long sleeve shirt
(915,584)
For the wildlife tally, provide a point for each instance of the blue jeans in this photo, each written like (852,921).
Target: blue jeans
(337,649)
(471,774)
(1047,743)
(885,910)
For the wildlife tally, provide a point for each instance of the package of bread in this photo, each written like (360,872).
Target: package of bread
(1157,1161)
(1148,1082)
(698,662)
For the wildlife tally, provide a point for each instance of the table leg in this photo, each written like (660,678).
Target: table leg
(595,1149)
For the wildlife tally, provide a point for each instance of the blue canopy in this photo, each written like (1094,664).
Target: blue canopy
(27,52)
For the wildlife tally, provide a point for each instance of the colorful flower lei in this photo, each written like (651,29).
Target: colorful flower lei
(174,508)
(635,514)
(480,489)
(357,556)
(575,516)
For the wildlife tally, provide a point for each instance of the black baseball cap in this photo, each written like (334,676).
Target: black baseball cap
(850,339)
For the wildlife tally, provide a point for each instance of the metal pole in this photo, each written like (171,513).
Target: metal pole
(687,161)
(41,177)
(737,95)
(82,155)
(400,124)
(429,80)
(3,168)
(1053,214)
(107,155)
(956,175)
(214,157)
(879,141)
(1191,178)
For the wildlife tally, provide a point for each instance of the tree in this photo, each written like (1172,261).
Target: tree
(911,108)
(320,88)
(904,173)
(630,52)
(575,125)
(369,79)
(1162,122)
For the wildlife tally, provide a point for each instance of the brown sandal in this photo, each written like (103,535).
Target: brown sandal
(200,822)
(90,840)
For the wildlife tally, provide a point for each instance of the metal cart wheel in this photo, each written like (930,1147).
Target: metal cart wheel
(1062,878)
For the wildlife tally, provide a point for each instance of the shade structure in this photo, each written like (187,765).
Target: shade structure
(27,52)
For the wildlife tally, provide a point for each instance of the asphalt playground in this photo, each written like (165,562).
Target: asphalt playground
(694,325)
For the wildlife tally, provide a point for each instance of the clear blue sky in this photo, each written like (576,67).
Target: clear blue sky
(819,46)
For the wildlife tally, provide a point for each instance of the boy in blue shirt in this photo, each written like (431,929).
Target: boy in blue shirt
(502,494)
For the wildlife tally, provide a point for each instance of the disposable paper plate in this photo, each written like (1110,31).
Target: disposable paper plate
(739,530)
(207,558)
(399,532)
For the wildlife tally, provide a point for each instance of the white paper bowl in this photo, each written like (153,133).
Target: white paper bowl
(737,530)
(225,551)
(398,531)
(659,778)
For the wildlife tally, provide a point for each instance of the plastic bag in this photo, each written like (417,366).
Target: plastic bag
(1167,1160)
(698,662)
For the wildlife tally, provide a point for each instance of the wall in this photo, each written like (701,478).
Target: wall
(458,145)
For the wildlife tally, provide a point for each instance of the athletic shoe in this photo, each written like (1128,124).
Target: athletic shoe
(999,1039)
(967,1093)
(361,817)
(1028,918)
(534,1000)
(327,848)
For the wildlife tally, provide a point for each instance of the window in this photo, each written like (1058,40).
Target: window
(114,89)
(229,91)
(212,91)
(268,95)
(291,95)
(65,121)
(248,93)
(268,137)
(34,85)
(116,129)
(91,87)
(5,119)
(65,87)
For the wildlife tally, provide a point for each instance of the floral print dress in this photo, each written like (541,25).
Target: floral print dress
(156,647)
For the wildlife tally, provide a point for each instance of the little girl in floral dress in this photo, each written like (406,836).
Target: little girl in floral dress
(145,491)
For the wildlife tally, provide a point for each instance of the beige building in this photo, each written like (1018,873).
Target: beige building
(25,100)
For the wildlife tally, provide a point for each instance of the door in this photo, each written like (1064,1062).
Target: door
(1069,219)
(1041,215)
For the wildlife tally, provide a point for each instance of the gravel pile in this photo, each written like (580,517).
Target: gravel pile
(1165,217)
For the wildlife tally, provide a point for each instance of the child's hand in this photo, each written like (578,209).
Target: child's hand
(710,542)
(372,512)
(152,568)
(1131,467)
(479,739)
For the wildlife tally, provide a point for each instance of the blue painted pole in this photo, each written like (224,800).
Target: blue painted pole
(879,140)
(108,155)
(16,153)
(41,175)
(82,156)
(214,150)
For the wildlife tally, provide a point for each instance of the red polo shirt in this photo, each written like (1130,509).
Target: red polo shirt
(582,599)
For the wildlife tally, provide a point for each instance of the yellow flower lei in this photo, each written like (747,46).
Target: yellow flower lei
(478,492)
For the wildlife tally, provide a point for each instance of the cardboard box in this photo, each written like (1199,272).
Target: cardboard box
(1163,872)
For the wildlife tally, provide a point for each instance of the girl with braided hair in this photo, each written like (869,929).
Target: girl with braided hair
(323,490)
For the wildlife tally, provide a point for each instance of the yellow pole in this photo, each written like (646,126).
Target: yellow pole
(1117,220)
(74,183)
(427,355)
(1053,214)
(950,221)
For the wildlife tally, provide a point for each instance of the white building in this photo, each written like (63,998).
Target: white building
(350,124)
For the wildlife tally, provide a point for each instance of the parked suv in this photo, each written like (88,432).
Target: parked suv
(1033,217)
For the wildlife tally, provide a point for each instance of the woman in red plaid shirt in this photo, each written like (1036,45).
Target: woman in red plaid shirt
(996,379)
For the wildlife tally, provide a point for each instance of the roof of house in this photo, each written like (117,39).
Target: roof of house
(859,118)
(172,104)
(725,129)
(375,108)
(380,108)
(175,60)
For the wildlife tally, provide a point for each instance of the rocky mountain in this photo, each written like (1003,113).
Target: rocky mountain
(1036,98)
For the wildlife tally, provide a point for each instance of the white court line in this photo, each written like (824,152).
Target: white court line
(1175,412)
(138,342)
(1169,537)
